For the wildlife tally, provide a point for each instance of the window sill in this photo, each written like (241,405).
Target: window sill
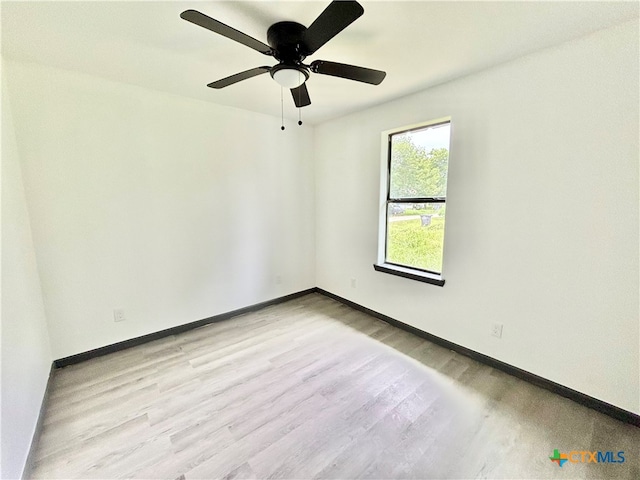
(405,272)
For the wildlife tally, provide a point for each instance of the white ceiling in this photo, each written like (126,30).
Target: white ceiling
(419,44)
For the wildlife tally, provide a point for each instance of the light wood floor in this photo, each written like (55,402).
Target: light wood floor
(312,389)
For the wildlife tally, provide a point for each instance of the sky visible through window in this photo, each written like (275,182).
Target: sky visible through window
(432,137)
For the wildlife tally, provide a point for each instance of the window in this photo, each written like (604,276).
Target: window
(415,201)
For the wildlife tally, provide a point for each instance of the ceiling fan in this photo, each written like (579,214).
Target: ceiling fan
(290,43)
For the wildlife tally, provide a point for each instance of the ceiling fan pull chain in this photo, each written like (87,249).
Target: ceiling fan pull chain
(281,109)
(299,103)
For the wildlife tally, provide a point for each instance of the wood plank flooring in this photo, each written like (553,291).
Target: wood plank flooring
(312,389)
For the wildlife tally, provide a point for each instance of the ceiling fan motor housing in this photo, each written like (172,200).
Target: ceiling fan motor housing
(286,40)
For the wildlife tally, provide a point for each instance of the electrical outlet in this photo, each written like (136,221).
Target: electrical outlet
(496,330)
(118,315)
(278,279)
(353,283)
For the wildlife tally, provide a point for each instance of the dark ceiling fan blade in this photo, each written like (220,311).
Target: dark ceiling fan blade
(301,96)
(220,28)
(335,18)
(238,77)
(359,74)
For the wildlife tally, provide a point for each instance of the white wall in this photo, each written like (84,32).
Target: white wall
(170,208)
(26,355)
(542,215)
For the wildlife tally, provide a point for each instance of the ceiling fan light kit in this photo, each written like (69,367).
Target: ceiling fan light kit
(290,43)
(289,76)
